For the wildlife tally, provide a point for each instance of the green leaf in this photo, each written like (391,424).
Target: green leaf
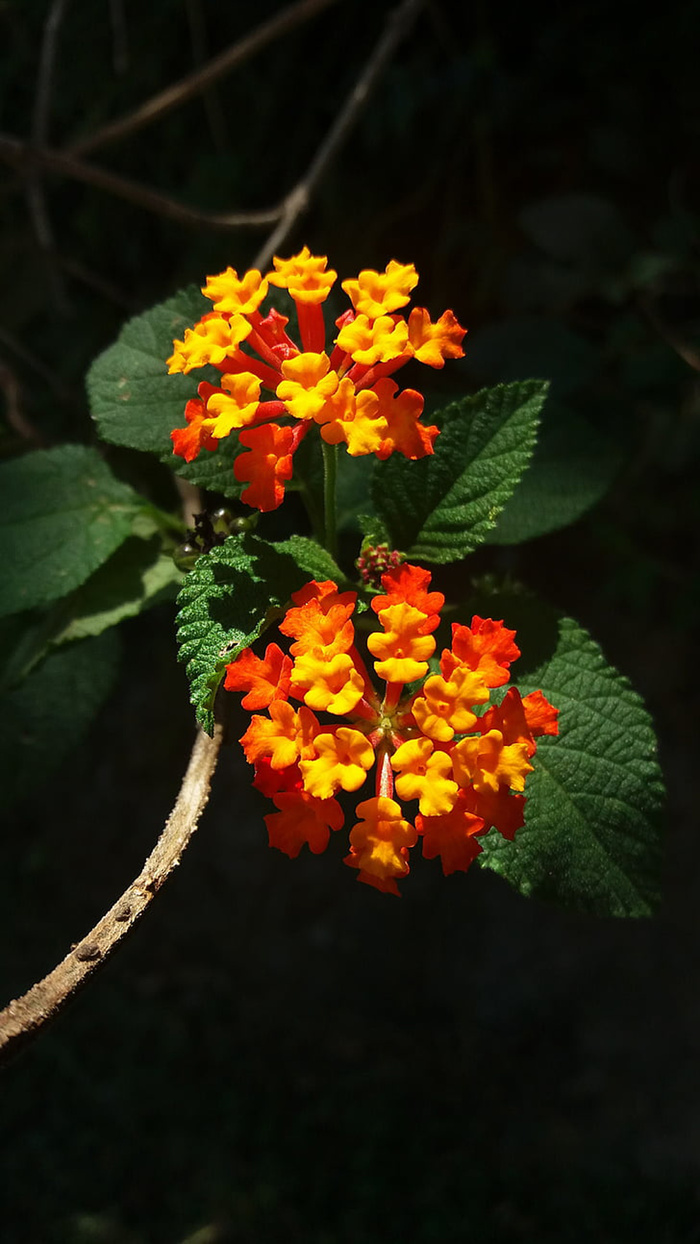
(63,515)
(311,558)
(591,841)
(134,401)
(231,596)
(442,507)
(353,491)
(45,716)
(572,468)
(139,575)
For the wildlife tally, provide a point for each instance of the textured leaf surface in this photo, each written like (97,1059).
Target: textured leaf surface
(229,599)
(136,577)
(442,507)
(135,402)
(591,841)
(572,468)
(45,716)
(63,515)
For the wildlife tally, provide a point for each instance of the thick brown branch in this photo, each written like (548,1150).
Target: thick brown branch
(159,105)
(26,1016)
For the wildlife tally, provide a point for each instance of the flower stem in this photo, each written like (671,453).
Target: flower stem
(330,470)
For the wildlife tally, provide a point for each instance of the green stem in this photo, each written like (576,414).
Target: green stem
(330,471)
(164,521)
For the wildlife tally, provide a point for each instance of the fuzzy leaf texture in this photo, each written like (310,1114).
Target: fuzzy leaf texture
(134,401)
(231,596)
(591,840)
(63,515)
(442,507)
(136,577)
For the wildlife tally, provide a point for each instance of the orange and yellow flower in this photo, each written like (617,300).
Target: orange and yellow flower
(343,386)
(436,746)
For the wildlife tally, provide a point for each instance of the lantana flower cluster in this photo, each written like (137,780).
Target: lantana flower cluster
(425,739)
(343,386)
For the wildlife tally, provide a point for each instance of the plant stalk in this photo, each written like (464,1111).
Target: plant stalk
(330,472)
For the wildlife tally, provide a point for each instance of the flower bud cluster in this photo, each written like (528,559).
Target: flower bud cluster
(344,388)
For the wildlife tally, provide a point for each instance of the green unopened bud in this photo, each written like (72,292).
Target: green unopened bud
(185,556)
(222,521)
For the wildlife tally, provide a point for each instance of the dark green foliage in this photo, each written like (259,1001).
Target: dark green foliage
(134,401)
(591,840)
(63,515)
(233,594)
(443,506)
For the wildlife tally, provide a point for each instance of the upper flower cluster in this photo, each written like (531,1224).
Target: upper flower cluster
(347,391)
(466,769)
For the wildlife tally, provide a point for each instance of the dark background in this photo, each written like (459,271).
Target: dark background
(279,1053)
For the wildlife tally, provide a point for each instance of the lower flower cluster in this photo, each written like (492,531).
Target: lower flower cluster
(428,738)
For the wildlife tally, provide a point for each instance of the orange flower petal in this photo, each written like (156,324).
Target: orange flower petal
(486,646)
(211,340)
(267,466)
(302,819)
(509,717)
(307,384)
(282,738)
(541,716)
(374,341)
(379,293)
(404,649)
(433,343)
(304,275)
(402,411)
(408,585)
(265,679)
(381,839)
(187,442)
(342,759)
(451,836)
(231,294)
(320,619)
(487,763)
(504,809)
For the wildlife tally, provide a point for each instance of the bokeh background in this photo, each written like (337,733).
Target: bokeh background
(278,1053)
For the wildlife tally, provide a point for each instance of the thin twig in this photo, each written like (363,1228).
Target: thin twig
(93,280)
(36,195)
(32,360)
(16,418)
(210,99)
(398,23)
(159,105)
(26,1016)
(684,348)
(120,41)
(14,151)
